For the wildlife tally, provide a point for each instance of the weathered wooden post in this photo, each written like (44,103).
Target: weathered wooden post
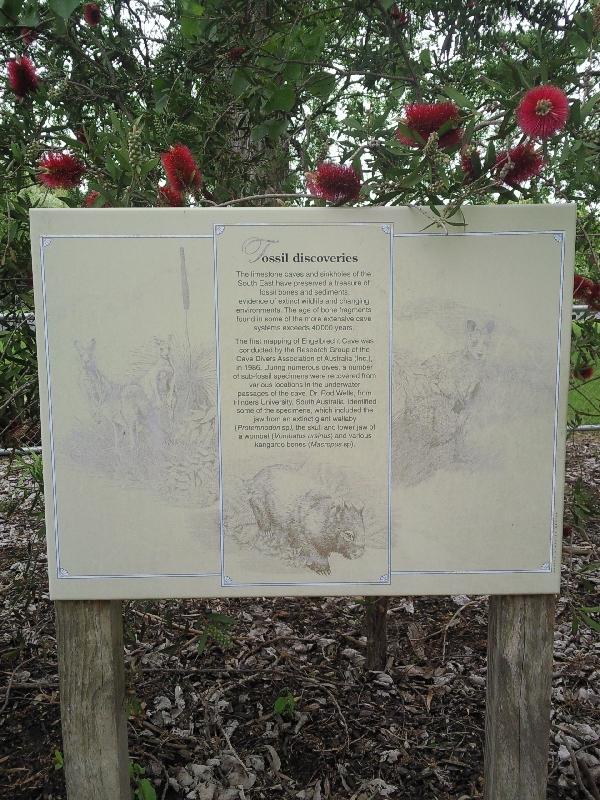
(92,691)
(519,679)
(376,627)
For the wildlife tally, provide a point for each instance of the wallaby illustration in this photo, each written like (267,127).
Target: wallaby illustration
(124,406)
(435,401)
(159,380)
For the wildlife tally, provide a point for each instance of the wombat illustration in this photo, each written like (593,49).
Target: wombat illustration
(288,503)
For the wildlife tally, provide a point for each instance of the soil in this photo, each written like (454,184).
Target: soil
(272,700)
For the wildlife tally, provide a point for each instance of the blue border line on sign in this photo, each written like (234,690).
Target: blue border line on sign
(547,568)
(386,578)
(61,572)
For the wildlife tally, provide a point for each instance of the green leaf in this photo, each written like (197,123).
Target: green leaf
(579,44)
(292,72)
(410,132)
(149,166)
(58,759)
(497,87)
(285,705)
(29,17)
(202,642)
(145,790)
(565,153)
(490,157)
(588,106)
(589,621)
(425,58)
(191,18)
(276,128)
(63,8)
(591,567)
(239,82)
(458,97)
(10,11)
(259,132)
(221,619)
(282,99)
(321,85)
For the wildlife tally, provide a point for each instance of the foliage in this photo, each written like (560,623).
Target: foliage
(285,704)
(218,630)
(261,93)
(142,787)
(28,492)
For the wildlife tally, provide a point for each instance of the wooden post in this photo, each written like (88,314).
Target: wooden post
(376,629)
(519,680)
(92,692)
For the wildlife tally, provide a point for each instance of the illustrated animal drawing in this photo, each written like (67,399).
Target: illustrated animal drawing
(289,505)
(124,405)
(435,400)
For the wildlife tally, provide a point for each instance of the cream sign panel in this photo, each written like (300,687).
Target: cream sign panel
(303,401)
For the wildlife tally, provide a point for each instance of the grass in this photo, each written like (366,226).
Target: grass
(584,401)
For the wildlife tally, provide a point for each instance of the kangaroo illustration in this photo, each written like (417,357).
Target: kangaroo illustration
(435,400)
(124,406)
(159,380)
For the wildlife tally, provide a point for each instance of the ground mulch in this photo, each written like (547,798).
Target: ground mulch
(204,692)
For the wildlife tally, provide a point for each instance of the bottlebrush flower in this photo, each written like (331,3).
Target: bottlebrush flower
(583,373)
(92,14)
(586,290)
(335,182)
(22,77)
(181,169)
(60,170)
(518,164)
(235,54)
(90,200)
(543,111)
(582,286)
(399,15)
(168,196)
(427,118)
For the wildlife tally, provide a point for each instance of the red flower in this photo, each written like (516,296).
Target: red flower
(181,169)
(525,163)
(399,15)
(28,35)
(60,170)
(334,182)
(235,54)
(582,287)
(584,373)
(168,196)
(428,118)
(22,77)
(90,200)
(543,111)
(586,290)
(92,14)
